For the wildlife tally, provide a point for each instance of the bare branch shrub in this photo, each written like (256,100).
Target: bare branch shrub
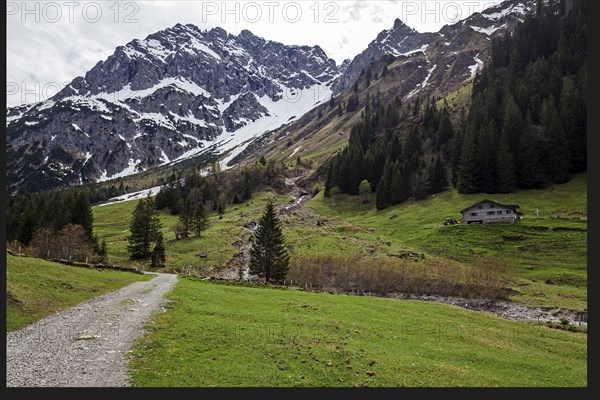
(354,274)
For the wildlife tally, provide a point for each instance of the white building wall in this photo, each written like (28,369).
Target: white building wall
(489,212)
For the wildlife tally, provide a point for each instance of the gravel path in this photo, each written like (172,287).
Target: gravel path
(86,345)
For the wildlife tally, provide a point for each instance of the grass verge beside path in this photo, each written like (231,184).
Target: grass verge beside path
(36,288)
(221,335)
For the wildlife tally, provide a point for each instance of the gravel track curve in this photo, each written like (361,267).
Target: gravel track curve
(86,345)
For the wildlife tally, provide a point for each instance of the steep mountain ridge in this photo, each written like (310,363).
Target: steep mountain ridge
(185,92)
(400,62)
(453,43)
(178,93)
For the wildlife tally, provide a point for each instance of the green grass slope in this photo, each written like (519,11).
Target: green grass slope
(219,335)
(220,242)
(36,288)
(537,248)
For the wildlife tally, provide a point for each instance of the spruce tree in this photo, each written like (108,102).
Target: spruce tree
(487,153)
(269,257)
(505,167)
(469,171)
(81,213)
(145,227)
(558,155)
(530,172)
(383,200)
(158,257)
(186,217)
(456,152)
(200,222)
(439,180)
(103,249)
(398,191)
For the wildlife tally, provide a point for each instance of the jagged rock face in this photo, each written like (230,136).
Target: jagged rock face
(155,100)
(243,110)
(183,90)
(400,39)
(414,64)
(447,57)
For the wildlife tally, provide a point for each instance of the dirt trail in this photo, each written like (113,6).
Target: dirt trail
(86,345)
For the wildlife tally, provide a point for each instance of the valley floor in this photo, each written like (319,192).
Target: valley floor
(548,245)
(224,335)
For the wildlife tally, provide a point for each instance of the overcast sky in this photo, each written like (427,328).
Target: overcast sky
(51,42)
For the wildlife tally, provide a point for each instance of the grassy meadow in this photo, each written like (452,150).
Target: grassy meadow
(538,248)
(111,222)
(225,335)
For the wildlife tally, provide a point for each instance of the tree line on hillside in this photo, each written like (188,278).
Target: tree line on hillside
(527,122)
(217,190)
(57,224)
(526,126)
(394,163)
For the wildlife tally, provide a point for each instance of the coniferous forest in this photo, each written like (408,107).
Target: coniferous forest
(526,126)
(527,122)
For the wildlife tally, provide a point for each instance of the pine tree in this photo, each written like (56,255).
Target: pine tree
(26,227)
(530,172)
(512,125)
(420,184)
(200,222)
(145,227)
(158,257)
(469,171)
(398,190)
(353,103)
(186,217)
(269,257)
(573,116)
(81,213)
(383,200)
(456,151)
(439,180)
(103,249)
(445,131)
(558,155)
(505,167)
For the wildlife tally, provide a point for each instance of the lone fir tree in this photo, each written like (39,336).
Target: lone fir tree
(158,256)
(200,222)
(145,229)
(269,257)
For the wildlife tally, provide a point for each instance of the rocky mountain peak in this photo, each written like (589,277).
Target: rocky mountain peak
(403,41)
(177,93)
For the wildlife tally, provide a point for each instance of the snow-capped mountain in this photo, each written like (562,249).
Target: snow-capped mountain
(179,92)
(183,91)
(414,64)
(458,45)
